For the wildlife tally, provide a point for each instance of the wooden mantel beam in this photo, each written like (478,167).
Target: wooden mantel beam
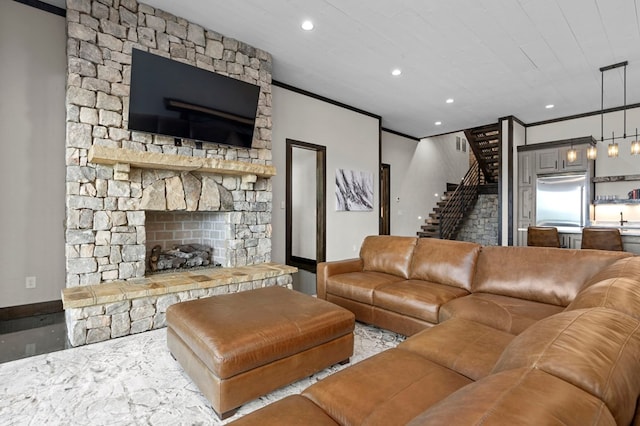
(156,160)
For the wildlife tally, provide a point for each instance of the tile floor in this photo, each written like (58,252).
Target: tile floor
(25,337)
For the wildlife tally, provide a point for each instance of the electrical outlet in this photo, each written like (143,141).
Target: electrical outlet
(30,282)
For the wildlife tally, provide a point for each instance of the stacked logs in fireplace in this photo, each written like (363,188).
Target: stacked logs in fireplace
(182,256)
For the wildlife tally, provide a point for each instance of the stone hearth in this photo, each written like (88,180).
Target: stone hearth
(100,312)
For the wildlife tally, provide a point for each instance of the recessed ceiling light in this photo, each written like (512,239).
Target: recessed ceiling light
(307,25)
(450,100)
(549,106)
(396,72)
(437,123)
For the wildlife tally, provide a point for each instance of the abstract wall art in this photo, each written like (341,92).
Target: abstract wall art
(354,190)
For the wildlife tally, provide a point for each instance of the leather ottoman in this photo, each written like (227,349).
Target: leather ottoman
(236,347)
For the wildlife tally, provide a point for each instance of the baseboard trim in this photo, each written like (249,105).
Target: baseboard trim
(22,311)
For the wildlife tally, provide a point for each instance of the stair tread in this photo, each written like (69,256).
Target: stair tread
(490,143)
(485,129)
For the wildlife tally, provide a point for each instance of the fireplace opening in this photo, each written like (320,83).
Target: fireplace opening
(184,256)
(184,240)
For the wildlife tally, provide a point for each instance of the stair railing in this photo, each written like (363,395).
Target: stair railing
(461,201)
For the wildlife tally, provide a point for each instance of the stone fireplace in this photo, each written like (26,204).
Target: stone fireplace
(116,178)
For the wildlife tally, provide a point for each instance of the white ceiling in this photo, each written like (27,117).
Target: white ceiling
(494,57)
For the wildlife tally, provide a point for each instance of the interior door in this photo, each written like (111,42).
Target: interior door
(385,199)
(305,204)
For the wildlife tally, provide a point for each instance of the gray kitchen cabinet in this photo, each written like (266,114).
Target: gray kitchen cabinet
(547,161)
(631,243)
(554,160)
(526,173)
(526,204)
(526,194)
(579,165)
(572,240)
(522,236)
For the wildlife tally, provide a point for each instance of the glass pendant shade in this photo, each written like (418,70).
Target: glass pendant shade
(635,147)
(592,152)
(612,150)
(572,155)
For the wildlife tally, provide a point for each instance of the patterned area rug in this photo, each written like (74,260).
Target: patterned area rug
(132,380)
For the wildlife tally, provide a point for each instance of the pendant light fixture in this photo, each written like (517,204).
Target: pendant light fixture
(613,148)
(635,145)
(572,154)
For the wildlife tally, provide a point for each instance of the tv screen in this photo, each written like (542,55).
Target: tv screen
(174,99)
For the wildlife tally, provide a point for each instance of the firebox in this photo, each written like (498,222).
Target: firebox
(184,240)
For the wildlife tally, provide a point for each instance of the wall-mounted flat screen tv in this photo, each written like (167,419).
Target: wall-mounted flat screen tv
(174,99)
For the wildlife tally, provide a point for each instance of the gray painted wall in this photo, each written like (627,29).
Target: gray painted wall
(419,171)
(351,139)
(32,131)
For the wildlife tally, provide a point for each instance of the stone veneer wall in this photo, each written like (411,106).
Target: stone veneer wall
(481,226)
(105,225)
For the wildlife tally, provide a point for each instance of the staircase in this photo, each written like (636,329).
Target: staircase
(431,228)
(485,144)
(448,216)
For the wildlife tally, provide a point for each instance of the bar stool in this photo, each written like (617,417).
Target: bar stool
(601,239)
(543,236)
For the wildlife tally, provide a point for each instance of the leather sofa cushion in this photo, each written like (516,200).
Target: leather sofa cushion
(517,397)
(390,388)
(291,410)
(387,254)
(628,267)
(620,294)
(467,347)
(328,269)
(398,323)
(418,299)
(508,314)
(539,274)
(596,350)
(358,285)
(445,262)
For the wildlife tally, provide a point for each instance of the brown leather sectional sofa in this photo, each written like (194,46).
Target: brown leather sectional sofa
(499,335)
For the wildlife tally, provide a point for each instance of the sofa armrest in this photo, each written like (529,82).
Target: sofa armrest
(328,269)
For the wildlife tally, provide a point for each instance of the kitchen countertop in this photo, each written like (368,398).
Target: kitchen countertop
(632,230)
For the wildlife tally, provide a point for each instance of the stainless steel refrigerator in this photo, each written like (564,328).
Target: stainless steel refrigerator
(562,200)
